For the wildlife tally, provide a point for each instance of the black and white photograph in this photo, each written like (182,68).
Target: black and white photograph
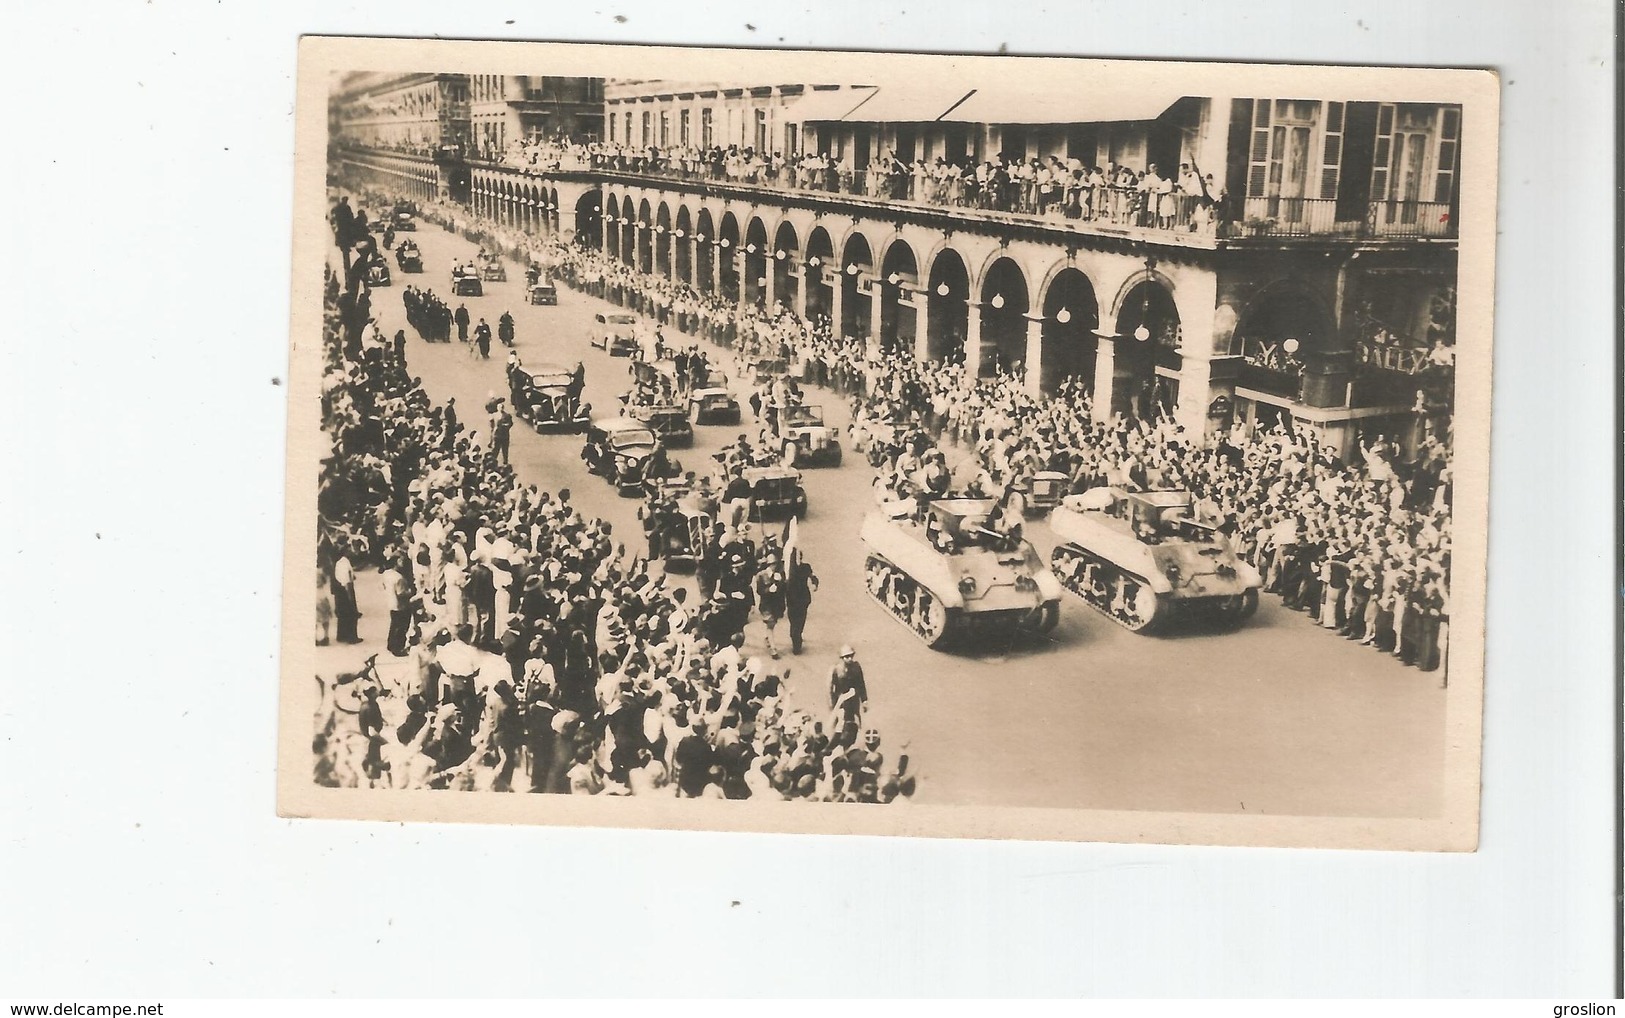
(870,443)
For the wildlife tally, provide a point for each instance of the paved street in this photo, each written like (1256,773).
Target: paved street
(1282,717)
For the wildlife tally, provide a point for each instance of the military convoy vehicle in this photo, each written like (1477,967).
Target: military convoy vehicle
(949,575)
(1143,560)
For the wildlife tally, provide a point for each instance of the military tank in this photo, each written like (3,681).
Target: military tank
(1143,560)
(946,574)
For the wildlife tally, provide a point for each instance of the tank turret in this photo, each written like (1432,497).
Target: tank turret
(1143,558)
(949,570)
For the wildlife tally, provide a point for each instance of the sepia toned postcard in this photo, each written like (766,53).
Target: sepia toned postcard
(897,444)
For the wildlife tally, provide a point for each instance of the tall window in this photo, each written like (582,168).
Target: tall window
(665,128)
(706,139)
(760,143)
(611,126)
(1444,181)
(644,138)
(682,128)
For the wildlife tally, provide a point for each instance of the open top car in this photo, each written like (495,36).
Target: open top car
(543,292)
(404,221)
(808,441)
(378,271)
(493,271)
(668,420)
(615,332)
(408,258)
(468,285)
(775,493)
(544,397)
(711,401)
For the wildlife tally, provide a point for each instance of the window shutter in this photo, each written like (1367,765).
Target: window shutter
(1382,152)
(1444,186)
(1333,150)
(1259,153)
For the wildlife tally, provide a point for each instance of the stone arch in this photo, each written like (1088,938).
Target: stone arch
(683,246)
(1148,329)
(898,280)
(589,219)
(947,313)
(786,257)
(612,234)
(754,253)
(645,238)
(662,240)
(819,262)
(1069,345)
(727,246)
(705,236)
(857,284)
(1003,292)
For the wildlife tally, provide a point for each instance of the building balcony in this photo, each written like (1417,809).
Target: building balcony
(1279,217)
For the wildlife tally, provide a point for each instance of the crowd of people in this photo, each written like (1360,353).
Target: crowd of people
(1156,197)
(1362,548)
(527,648)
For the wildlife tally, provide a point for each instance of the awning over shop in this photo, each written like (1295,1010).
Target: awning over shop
(999,105)
(826,104)
(908,104)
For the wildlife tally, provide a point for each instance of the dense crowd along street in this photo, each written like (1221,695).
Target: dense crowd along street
(610,665)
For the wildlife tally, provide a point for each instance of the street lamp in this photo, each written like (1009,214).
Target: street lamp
(814,262)
(678,234)
(750,248)
(1290,346)
(997,301)
(893,278)
(852,269)
(942,288)
(779,255)
(724,242)
(1064,315)
(1142,333)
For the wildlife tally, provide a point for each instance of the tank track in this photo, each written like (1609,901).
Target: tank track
(1100,583)
(910,604)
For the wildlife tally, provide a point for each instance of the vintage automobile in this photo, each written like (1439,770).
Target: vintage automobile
(378,271)
(766,369)
(543,399)
(614,332)
(807,440)
(543,293)
(404,221)
(493,271)
(668,420)
(682,519)
(618,449)
(711,402)
(948,574)
(408,258)
(1143,560)
(775,493)
(468,285)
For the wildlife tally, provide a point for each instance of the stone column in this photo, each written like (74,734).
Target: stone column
(837,305)
(716,268)
(1105,374)
(973,340)
(1032,374)
(922,325)
(877,306)
(769,286)
(800,275)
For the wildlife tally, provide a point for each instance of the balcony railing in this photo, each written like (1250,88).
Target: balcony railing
(1277,216)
